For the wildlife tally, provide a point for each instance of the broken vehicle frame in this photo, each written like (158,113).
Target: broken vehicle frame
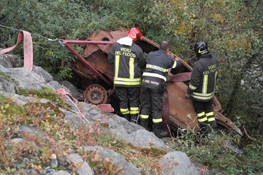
(177,110)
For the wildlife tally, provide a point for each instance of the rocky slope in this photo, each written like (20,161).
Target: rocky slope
(15,79)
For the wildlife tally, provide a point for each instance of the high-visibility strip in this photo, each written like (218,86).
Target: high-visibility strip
(131,68)
(201,114)
(117,62)
(192,87)
(202,119)
(211,119)
(149,74)
(174,65)
(127,79)
(209,114)
(134,112)
(134,108)
(156,68)
(157,120)
(124,111)
(124,83)
(202,96)
(144,116)
(205,83)
(215,80)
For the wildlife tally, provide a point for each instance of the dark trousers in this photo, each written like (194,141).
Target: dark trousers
(205,113)
(129,99)
(150,98)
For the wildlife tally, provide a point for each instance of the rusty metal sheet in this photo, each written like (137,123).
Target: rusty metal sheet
(181,111)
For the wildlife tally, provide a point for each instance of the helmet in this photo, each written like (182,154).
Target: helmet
(135,33)
(200,48)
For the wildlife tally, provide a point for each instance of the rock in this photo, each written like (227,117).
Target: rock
(73,90)
(10,61)
(82,166)
(116,158)
(8,85)
(178,163)
(61,172)
(20,99)
(38,133)
(45,75)
(26,78)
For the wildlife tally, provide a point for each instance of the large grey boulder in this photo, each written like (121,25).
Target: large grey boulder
(26,78)
(178,163)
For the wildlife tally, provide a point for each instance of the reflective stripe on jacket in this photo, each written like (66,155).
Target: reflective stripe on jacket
(128,59)
(158,63)
(203,79)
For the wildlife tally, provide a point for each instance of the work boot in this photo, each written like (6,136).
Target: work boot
(213,126)
(144,123)
(127,117)
(134,118)
(157,130)
(205,128)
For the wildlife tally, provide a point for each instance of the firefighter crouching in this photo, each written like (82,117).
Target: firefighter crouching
(153,86)
(128,59)
(202,86)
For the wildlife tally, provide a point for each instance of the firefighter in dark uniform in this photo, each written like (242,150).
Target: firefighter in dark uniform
(153,86)
(128,59)
(202,86)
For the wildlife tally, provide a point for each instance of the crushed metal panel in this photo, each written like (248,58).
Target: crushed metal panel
(181,111)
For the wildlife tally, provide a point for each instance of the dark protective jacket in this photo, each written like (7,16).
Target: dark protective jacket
(158,63)
(128,59)
(203,79)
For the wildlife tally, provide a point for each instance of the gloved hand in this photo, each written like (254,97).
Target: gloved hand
(187,96)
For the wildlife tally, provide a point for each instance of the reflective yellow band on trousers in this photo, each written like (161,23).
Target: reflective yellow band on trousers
(211,119)
(201,114)
(144,116)
(125,111)
(201,117)
(209,114)
(157,120)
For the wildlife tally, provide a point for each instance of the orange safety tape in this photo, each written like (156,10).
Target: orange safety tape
(28,48)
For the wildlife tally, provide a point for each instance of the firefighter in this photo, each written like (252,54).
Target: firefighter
(202,86)
(153,86)
(128,59)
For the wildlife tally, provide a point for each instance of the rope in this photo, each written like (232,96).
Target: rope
(40,36)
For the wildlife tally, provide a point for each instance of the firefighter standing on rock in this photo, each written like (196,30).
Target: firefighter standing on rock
(153,86)
(202,86)
(128,59)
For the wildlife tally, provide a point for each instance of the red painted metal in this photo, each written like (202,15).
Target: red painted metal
(106,107)
(67,42)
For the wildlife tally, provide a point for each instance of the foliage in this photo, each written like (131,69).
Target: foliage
(219,158)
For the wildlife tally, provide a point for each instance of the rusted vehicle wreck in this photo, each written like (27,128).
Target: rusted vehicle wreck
(97,75)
